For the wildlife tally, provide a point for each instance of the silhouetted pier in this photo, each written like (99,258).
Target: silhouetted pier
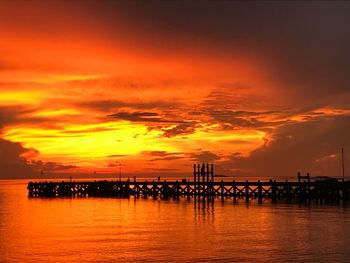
(203,185)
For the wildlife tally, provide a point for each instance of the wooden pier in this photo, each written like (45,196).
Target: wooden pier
(203,185)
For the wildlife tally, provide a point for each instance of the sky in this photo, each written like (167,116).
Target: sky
(260,89)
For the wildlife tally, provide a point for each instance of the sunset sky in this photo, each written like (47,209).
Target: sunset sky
(258,88)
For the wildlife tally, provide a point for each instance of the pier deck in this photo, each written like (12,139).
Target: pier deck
(261,190)
(202,185)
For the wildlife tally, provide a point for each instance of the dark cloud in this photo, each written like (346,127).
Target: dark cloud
(244,119)
(163,155)
(13,155)
(157,153)
(204,157)
(304,44)
(20,114)
(168,158)
(117,155)
(15,114)
(301,43)
(311,146)
(142,116)
(242,113)
(180,129)
(114,164)
(13,162)
(50,166)
(230,97)
(111,105)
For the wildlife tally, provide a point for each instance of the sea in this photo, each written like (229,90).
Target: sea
(173,230)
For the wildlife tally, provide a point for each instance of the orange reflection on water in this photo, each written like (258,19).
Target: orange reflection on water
(104,230)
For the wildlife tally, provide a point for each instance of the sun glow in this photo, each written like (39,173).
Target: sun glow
(78,142)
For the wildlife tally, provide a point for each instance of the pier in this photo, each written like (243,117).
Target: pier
(202,185)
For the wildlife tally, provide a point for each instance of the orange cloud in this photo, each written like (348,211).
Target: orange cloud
(87,85)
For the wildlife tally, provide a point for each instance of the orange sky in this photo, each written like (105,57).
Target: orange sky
(86,86)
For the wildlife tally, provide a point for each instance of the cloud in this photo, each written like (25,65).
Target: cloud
(244,120)
(298,52)
(25,116)
(41,166)
(295,54)
(157,153)
(181,68)
(113,164)
(111,105)
(299,146)
(168,158)
(180,129)
(117,155)
(163,155)
(204,157)
(14,163)
(142,116)
(17,114)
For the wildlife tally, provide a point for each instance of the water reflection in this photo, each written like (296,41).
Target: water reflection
(184,229)
(204,209)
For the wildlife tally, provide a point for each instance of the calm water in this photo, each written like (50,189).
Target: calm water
(106,230)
